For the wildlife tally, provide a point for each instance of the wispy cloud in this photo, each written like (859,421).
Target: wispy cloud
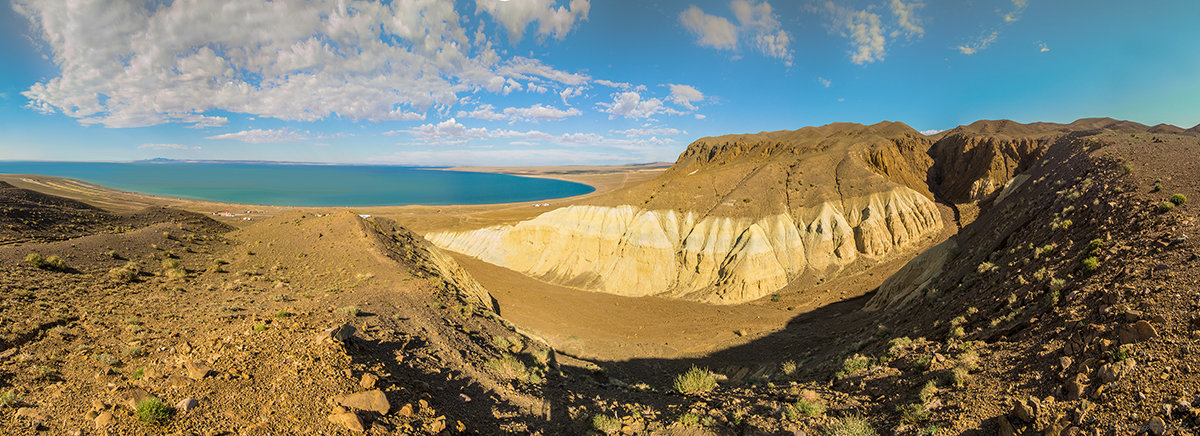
(1042,48)
(267,136)
(824,82)
(657,131)
(906,18)
(981,43)
(756,21)
(685,95)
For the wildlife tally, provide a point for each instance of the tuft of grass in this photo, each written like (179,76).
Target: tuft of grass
(854,364)
(788,368)
(928,391)
(153,411)
(45,373)
(606,424)
(352,310)
(1178,199)
(169,263)
(1052,297)
(957,332)
(1165,207)
(512,368)
(802,408)
(1119,354)
(260,328)
(283,314)
(12,398)
(923,363)
(1057,284)
(51,262)
(1157,187)
(913,413)
(695,380)
(133,352)
(141,372)
(850,426)
(957,376)
(1044,250)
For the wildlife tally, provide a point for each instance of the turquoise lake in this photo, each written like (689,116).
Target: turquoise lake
(306,185)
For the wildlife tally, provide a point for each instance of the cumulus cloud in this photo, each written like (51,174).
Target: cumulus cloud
(712,31)
(685,95)
(658,131)
(482,112)
(866,35)
(167,147)
(551,21)
(129,64)
(980,43)
(631,105)
(931,132)
(452,132)
(756,20)
(906,18)
(267,136)
(539,112)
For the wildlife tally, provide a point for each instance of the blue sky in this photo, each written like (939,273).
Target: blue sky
(535,82)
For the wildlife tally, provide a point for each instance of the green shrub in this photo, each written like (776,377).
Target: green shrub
(10,398)
(175,274)
(153,411)
(802,408)
(1089,264)
(695,380)
(854,364)
(985,267)
(913,413)
(850,426)
(957,376)
(170,263)
(283,314)
(928,391)
(49,262)
(1178,199)
(141,372)
(511,368)
(1165,207)
(957,332)
(606,424)
(1157,187)
(788,368)
(923,363)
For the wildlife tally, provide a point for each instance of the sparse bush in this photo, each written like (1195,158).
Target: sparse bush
(169,263)
(1127,167)
(928,391)
(1166,206)
(850,426)
(141,372)
(695,380)
(958,320)
(352,310)
(45,373)
(260,328)
(175,274)
(1089,264)
(132,352)
(52,262)
(542,357)
(913,413)
(11,398)
(803,408)
(1057,284)
(1157,187)
(1178,199)
(788,368)
(854,364)
(153,411)
(1061,224)
(956,333)
(1052,298)
(283,314)
(606,424)
(1119,354)
(511,367)
(986,267)
(1044,250)
(122,275)
(957,376)
(106,359)
(922,364)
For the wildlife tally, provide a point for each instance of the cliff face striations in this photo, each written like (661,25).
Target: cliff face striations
(735,219)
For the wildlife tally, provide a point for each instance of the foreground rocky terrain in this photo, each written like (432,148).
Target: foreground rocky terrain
(1063,303)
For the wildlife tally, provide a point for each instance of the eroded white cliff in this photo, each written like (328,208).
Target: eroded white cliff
(626,250)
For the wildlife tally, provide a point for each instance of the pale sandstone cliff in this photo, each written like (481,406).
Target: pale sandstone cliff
(630,251)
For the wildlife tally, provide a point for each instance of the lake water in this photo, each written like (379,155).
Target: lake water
(306,185)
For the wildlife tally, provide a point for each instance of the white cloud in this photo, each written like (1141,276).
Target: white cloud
(659,131)
(712,31)
(701,116)
(980,43)
(570,92)
(539,112)
(758,20)
(1042,48)
(128,64)
(866,35)
(1018,9)
(906,18)
(528,156)
(167,147)
(551,21)
(685,95)
(482,112)
(824,82)
(611,84)
(452,132)
(268,136)
(931,132)
(755,20)
(631,105)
